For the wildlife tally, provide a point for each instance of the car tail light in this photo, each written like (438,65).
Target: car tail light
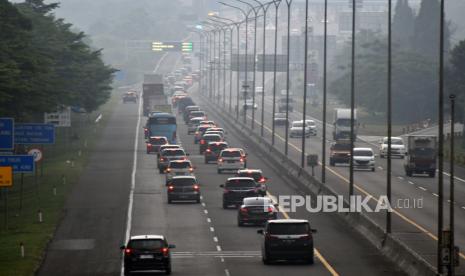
(262,180)
(165,251)
(270,237)
(241,160)
(305,237)
(220,159)
(191,169)
(170,188)
(225,191)
(270,210)
(202,142)
(196,133)
(149,145)
(196,187)
(168,170)
(127,251)
(208,150)
(244,210)
(162,159)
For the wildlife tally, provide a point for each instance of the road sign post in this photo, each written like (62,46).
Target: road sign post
(175,46)
(6,134)
(6,181)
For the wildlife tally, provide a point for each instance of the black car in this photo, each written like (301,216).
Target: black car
(207,138)
(256,210)
(287,239)
(213,151)
(147,252)
(237,188)
(183,188)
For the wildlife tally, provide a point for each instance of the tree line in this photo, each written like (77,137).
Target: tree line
(45,64)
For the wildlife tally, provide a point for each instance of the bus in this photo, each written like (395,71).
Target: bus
(162,124)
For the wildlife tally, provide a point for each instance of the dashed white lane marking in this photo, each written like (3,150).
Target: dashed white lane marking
(421,188)
(400,177)
(463,207)
(209,220)
(411,183)
(201,197)
(436,195)
(218,248)
(212,229)
(203,204)
(380,167)
(205,211)
(215,239)
(226,271)
(222,259)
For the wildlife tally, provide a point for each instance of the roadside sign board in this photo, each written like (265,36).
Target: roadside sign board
(6,133)
(6,176)
(62,118)
(34,133)
(19,163)
(36,154)
(158,46)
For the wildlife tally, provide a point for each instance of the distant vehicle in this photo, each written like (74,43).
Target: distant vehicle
(162,124)
(341,124)
(130,96)
(397,147)
(168,155)
(237,188)
(196,113)
(231,159)
(199,132)
(299,129)
(257,175)
(280,119)
(213,151)
(147,252)
(311,124)
(183,102)
(183,188)
(188,110)
(287,239)
(256,210)
(153,92)
(193,124)
(421,155)
(167,146)
(283,106)
(364,158)
(154,143)
(339,152)
(249,104)
(220,133)
(208,122)
(258,90)
(206,138)
(177,168)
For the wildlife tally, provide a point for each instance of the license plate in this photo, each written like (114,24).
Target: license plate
(230,161)
(179,173)
(288,241)
(146,257)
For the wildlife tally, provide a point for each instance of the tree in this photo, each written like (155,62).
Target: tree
(456,80)
(403,24)
(426,30)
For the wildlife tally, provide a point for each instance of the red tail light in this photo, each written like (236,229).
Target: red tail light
(270,237)
(162,159)
(202,142)
(242,159)
(244,210)
(306,237)
(127,251)
(196,187)
(208,150)
(149,145)
(168,170)
(262,180)
(170,188)
(225,191)
(270,210)
(165,251)
(220,159)
(191,169)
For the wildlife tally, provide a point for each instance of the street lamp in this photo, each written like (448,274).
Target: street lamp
(304,114)
(276,6)
(325,60)
(288,3)
(224,27)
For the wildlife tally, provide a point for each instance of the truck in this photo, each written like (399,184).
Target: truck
(153,92)
(341,124)
(421,155)
(282,104)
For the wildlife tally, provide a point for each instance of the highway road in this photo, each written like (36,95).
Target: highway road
(416,226)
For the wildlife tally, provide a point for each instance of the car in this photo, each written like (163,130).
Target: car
(130,96)
(231,159)
(299,129)
(183,188)
(258,90)
(312,125)
(206,138)
(220,133)
(287,239)
(364,158)
(257,175)
(216,129)
(199,132)
(167,146)
(249,104)
(208,122)
(147,252)
(193,124)
(154,143)
(256,210)
(237,188)
(187,110)
(196,113)
(339,152)
(213,151)
(178,167)
(280,119)
(397,147)
(168,155)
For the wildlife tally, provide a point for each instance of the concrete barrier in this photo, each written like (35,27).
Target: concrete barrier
(390,247)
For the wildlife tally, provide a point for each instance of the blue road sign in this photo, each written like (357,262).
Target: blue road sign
(20,163)
(6,133)
(34,133)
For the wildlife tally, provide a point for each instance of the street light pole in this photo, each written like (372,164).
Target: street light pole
(352,104)
(441,141)
(286,145)
(325,59)
(389,116)
(276,5)
(452,182)
(304,126)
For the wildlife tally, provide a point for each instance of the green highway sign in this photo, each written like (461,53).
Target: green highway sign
(158,46)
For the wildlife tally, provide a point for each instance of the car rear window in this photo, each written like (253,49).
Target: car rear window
(174,152)
(146,244)
(215,137)
(257,202)
(288,228)
(363,153)
(217,147)
(181,182)
(242,183)
(228,153)
(254,175)
(158,141)
(197,113)
(180,165)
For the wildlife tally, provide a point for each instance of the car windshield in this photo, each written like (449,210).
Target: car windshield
(182,182)
(146,244)
(241,183)
(288,228)
(197,113)
(254,175)
(180,165)
(280,115)
(310,123)
(363,153)
(228,153)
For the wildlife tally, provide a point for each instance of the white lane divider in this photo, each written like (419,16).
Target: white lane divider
(436,195)
(411,183)
(421,188)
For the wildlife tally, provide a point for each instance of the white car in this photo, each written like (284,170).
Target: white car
(311,124)
(258,90)
(397,147)
(299,129)
(231,159)
(364,158)
(193,124)
(179,168)
(249,104)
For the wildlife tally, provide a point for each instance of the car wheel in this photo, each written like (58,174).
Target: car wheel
(265,259)
(373,169)
(432,174)
(332,163)
(126,272)
(168,270)
(310,260)
(198,200)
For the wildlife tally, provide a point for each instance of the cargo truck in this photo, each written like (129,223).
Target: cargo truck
(421,155)
(153,92)
(341,124)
